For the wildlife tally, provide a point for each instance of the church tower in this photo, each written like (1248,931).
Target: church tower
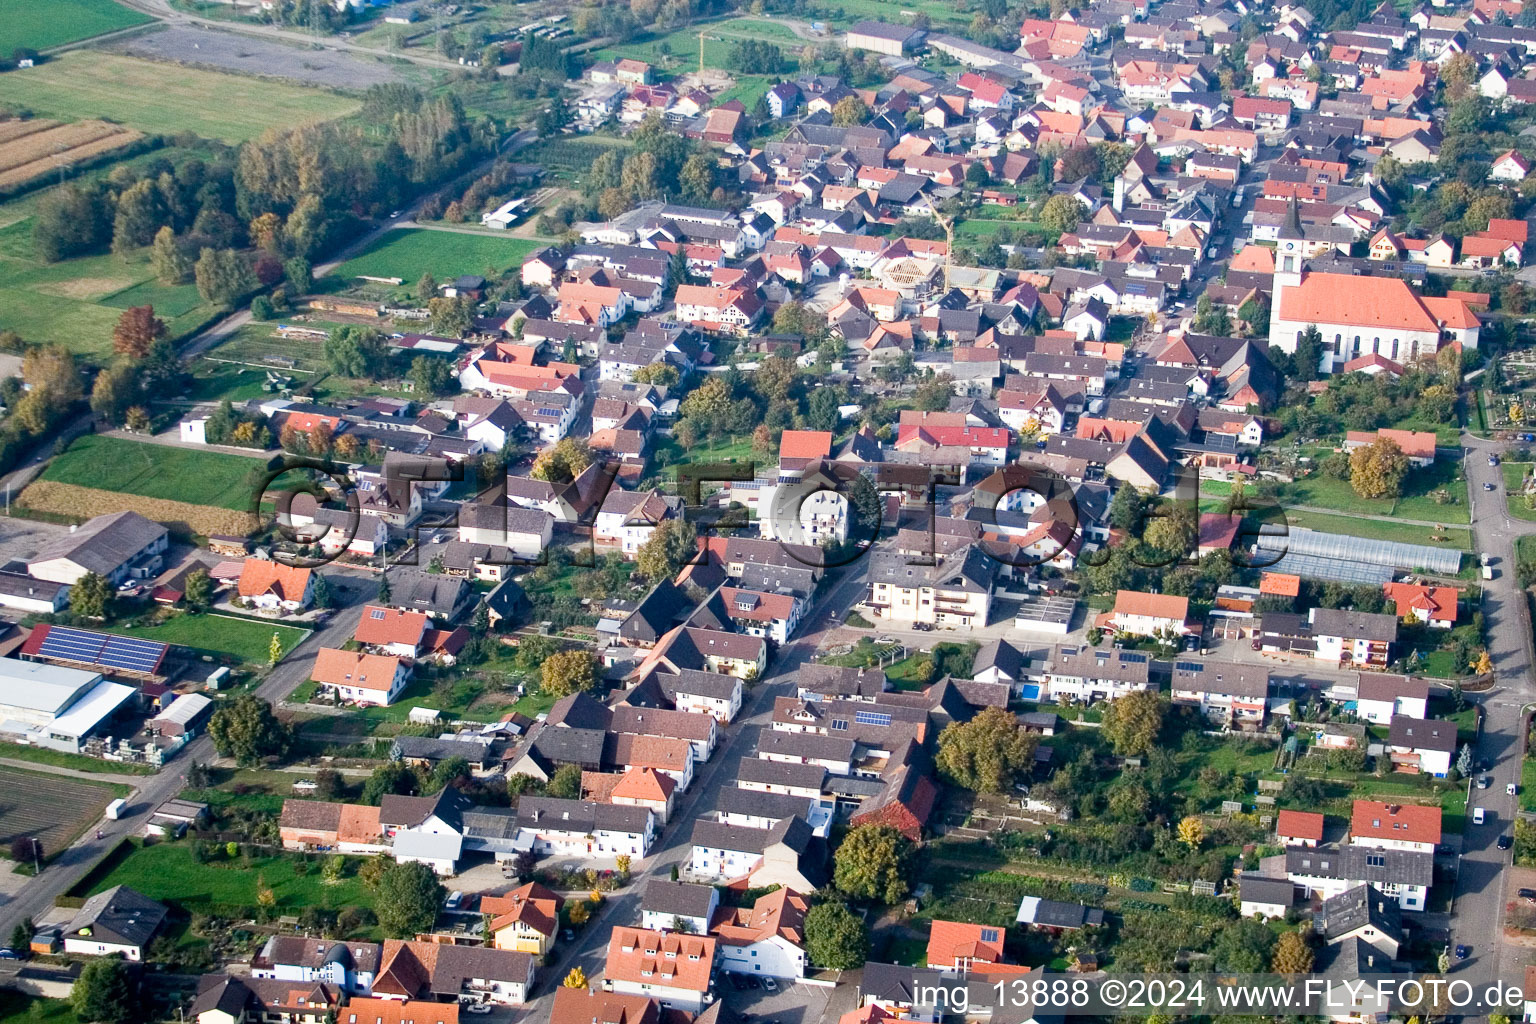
(1290,248)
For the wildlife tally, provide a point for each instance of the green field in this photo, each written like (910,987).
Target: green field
(679,50)
(1514,482)
(167,871)
(40,26)
(1377,529)
(1326,492)
(411,252)
(156,471)
(165,99)
(220,634)
(76,303)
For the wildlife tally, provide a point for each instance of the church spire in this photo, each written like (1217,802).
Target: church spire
(1291,227)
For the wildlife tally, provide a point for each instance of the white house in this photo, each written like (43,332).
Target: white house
(628,518)
(1385,826)
(1380,697)
(118,922)
(766,939)
(672,968)
(580,828)
(1089,674)
(1264,897)
(678,906)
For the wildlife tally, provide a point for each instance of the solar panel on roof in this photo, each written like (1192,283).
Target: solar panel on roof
(1133,658)
(549,412)
(109,650)
(1189,666)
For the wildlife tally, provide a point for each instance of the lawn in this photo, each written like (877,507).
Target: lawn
(76,762)
(16,1008)
(1514,484)
(245,639)
(1326,492)
(411,252)
(254,342)
(1528,784)
(680,49)
(156,471)
(168,872)
(42,26)
(77,302)
(164,99)
(485,696)
(1459,538)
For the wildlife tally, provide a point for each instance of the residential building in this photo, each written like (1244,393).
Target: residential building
(1381,697)
(348,967)
(674,969)
(1141,614)
(118,922)
(766,939)
(270,586)
(1421,745)
(1388,826)
(1232,694)
(357,677)
(582,828)
(1089,674)
(678,907)
(953,945)
(525,919)
(462,974)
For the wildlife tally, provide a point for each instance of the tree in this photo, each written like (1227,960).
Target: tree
(300,275)
(567,672)
(985,754)
(1191,832)
(873,863)
(1482,664)
(1132,722)
(105,993)
(223,276)
(247,730)
(1309,353)
(577,978)
(1125,510)
(1464,760)
(850,110)
(835,937)
(1291,955)
(137,419)
(393,778)
(563,462)
(1061,214)
(51,370)
(1376,470)
(698,176)
(169,259)
(672,544)
(24,849)
(431,375)
(355,351)
(426,289)
(21,935)
(934,393)
(198,588)
(91,596)
(384,591)
(408,898)
(565,783)
(451,317)
(324,598)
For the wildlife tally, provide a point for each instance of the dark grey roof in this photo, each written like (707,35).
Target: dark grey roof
(435,593)
(805,745)
(760,803)
(490,823)
(898,984)
(1354,625)
(1057,914)
(546,812)
(1355,908)
(1422,734)
(118,916)
(103,544)
(430,748)
(714,685)
(829,681)
(579,711)
(456,965)
(1259,889)
(679,898)
(1001,655)
(781,773)
(1362,864)
(791,832)
(226,994)
(568,746)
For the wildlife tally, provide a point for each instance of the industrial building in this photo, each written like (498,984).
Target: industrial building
(54,707)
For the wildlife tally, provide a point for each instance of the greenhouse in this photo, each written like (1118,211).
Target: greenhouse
(1341,558)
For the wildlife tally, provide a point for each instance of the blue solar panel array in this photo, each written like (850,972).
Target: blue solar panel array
(121,652)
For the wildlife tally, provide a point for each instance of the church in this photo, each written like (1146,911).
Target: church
(1359,315)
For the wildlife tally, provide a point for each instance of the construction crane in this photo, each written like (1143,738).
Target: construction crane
(949,237)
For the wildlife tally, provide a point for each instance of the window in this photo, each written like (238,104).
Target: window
(377,613)
(840,725)
(1375,860)
(989,935)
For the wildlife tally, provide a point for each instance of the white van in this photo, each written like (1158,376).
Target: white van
(1477,815)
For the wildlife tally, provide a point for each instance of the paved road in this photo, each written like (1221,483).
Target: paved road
(843,589)
(36,898)
(1480,897)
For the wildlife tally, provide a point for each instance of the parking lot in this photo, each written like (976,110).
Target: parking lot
(791,1004)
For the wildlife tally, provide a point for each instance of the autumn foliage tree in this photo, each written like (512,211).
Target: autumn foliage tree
(1132,722)
(1376,470)
(873,863)
(1291,955)
(567,672)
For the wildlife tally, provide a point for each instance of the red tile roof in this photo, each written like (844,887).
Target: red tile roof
(381,626)
(1158,606)
(1409,823)
(261,575)
(953,941)
(1300,825)
(667,959)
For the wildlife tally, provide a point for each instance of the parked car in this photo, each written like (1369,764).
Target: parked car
(1462,952)
(1506,841)
(770,985)
(7,953)
(1529,895)
(1484,782)
(1511,789)
(477,1008)
(1493,460)
(1487,487)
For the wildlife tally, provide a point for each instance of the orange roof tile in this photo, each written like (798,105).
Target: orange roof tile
(1300,825)
(950,942)
(665,959)
(1280,584)
(1158,606)
(261,576)
(1384,302)
(805,444)
(381,626)
(1409,823)
(353,668)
